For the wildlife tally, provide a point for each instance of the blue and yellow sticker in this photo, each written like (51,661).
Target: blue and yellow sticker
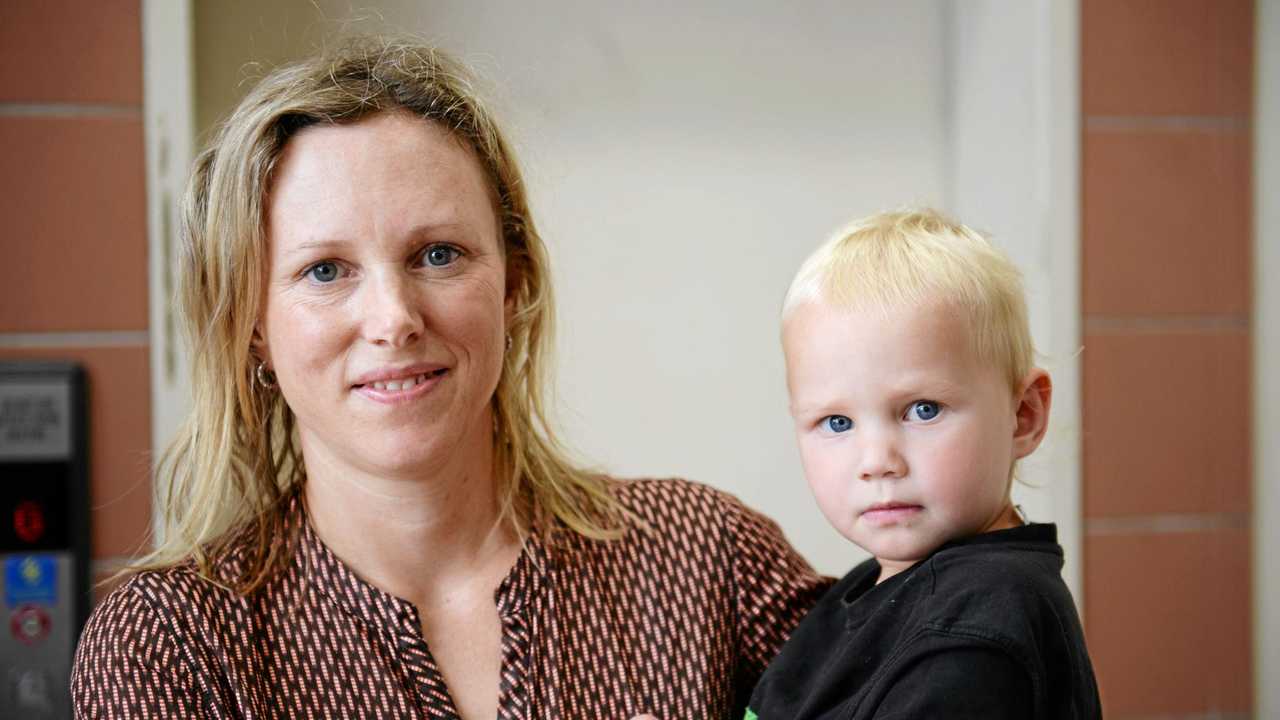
(30,579)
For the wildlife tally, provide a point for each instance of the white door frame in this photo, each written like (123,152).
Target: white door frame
(169,112)
(1014,103)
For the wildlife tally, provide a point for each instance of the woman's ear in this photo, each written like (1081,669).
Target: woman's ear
(1032,412)
(514,278)
(258,346)
(508,310)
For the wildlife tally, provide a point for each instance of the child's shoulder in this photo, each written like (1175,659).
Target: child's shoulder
(1001,578)
(1014,556)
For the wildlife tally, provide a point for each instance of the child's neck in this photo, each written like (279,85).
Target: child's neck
(1009,517)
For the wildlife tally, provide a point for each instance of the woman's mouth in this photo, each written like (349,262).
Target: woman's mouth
(401,389)
(406,383)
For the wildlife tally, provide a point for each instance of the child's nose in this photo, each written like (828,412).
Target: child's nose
(880,457)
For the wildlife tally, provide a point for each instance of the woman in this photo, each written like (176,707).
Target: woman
(367,514)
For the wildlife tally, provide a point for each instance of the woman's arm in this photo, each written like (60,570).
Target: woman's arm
(128,664)
(775,587)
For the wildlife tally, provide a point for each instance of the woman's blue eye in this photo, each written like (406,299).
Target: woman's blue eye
(440,255)
(924,410)
(324,271)
(837,423)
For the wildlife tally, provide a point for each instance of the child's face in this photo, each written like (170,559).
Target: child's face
(907,439)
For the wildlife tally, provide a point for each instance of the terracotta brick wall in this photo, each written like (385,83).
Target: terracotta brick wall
(72,185)
(1167,100)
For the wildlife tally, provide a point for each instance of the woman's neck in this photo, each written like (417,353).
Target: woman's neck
(421,536)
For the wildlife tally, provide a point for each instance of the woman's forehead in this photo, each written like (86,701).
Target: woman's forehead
(390,173)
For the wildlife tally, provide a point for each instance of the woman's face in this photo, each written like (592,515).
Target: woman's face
(385,307)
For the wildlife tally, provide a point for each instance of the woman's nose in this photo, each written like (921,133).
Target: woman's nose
(392,315)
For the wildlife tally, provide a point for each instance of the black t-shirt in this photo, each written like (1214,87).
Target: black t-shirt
(982,628)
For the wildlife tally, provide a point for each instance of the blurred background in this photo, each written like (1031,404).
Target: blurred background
(683,159)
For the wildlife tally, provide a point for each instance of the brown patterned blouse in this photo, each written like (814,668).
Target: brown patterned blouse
(679,622)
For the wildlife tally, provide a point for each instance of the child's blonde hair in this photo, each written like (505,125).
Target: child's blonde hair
(919,256)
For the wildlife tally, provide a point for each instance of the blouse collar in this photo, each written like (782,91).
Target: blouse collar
(378,608)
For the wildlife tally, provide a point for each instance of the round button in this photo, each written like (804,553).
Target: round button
(30,624)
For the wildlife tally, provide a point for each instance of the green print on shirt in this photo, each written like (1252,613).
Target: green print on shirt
(751,715)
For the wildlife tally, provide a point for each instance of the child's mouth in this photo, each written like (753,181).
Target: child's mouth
(890,513)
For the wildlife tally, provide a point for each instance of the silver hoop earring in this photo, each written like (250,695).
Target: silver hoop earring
(508,342)
(265,377)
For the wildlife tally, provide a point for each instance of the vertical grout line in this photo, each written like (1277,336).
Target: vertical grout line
(1266,354)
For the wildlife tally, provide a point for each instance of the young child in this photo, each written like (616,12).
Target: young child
(909,363)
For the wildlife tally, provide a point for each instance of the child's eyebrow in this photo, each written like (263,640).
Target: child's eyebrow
(801,410)
(933,390)
(926,386)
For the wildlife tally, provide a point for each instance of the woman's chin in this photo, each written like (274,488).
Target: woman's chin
(391,455)
(410,458)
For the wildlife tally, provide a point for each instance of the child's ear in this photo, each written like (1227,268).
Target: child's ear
(1032,412)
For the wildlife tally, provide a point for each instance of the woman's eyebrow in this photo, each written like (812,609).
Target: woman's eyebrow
(418,233)
(315,245)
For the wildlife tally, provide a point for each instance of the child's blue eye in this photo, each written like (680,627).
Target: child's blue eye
(923,410)
(837,423)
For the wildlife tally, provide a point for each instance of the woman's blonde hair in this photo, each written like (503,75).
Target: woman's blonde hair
(237,456)
(915,257)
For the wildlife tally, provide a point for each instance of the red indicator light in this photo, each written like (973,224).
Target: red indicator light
(28,521)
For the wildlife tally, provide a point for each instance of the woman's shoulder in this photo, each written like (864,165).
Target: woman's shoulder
(146,639)
(128,608)
(673,508)
(133,623)
(179,598)
(692,521)
(158,595)
(666,500)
